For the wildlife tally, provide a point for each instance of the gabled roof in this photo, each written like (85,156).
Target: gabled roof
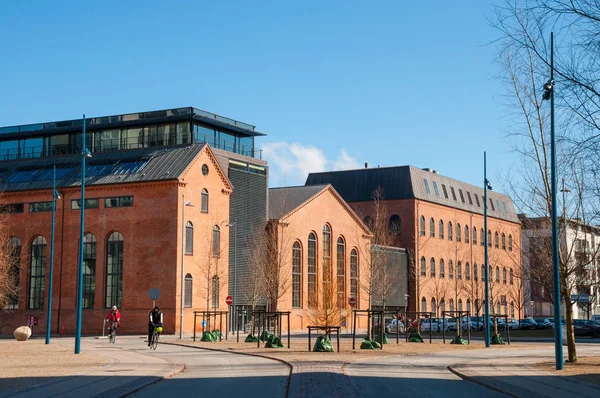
(142,165)
(285,201)
(408,182)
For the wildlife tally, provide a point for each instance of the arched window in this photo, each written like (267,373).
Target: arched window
(512,309)
(442,270)
(297,275)
(441,229)
(114,271)
(327,266)
(474,235)
(458,233)
(450,270)
(354,275)
(432,228)
(204,201)
(395,224)
(497,274)
(312,270)
(451,305)
(434,306)
(504,275)
(216,249)
(422,228)
(423,267)
(189,238)
(467,271)
(215,291)
(187,299)
(475,272)
(503,241)
(432,267)
(469,307)
(510,243)
(423,305)
(489,236)
(442,305)
(341,272)
(37,273)
(459,271)
(460,308)
(466,234)
(496,240)
(512,275)
(449,230)
(88,293)
(13,249)
(368,222)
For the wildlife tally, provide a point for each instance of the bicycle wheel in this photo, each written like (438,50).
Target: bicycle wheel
(111,337)
(154,340)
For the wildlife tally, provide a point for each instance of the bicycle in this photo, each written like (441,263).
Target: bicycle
(112,333)
(155,336)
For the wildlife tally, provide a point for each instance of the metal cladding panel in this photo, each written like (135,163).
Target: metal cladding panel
(397,265)
(284,200)
(248,205)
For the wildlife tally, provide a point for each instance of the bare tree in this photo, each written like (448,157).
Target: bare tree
(257,260)
(212,268)
(326,311)
(9,268)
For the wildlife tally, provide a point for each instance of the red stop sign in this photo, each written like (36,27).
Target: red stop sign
(229,300)
(352,301)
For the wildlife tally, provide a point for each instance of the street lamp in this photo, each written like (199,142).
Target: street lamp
(183,205)
(55,196)
(531,303)
(486,186)
(234,225)
(549,95)
(85,153)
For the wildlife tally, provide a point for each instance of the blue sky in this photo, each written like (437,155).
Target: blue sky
(334,84)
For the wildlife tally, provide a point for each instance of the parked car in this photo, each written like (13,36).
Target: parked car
(527,323)
(394,326)
(543,323)
(451,324)
(583,327)
(430,324)
(513,324)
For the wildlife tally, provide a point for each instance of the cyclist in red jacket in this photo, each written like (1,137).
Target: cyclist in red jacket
(114,318)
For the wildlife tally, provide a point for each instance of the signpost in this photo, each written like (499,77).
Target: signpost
(352,302)
(154,294)
(229,300)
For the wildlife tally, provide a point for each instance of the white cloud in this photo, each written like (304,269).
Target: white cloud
(290,163)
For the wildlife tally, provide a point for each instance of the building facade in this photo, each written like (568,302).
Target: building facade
(440,222)
(157,195)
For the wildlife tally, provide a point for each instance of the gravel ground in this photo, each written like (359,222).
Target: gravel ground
(586,369)
(25,363)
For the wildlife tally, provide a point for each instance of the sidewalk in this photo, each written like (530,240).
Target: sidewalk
(517,379)
(126,371)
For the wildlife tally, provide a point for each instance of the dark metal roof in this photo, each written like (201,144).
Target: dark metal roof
(407,182)
(142,165)
(283,201)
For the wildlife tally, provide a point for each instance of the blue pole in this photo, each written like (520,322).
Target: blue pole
(485,244)
(48,320)
(556,271)
(81,231)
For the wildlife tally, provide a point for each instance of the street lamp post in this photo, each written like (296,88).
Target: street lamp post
(85,153)
(486,186)
(531,303)
(549,95)
(234,225)
(55,196)
(181,296)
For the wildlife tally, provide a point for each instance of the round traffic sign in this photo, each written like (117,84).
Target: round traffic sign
(229,300)
(352,301)
(154,293)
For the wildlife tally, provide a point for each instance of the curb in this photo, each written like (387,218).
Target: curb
(178,369)
(476,381)
(287,392)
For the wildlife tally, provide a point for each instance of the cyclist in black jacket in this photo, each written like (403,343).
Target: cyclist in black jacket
(156,319)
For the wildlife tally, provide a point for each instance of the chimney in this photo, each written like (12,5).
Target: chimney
(366,165)
(435,172)
(427,169)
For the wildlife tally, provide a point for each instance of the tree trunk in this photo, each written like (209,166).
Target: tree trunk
(570,333)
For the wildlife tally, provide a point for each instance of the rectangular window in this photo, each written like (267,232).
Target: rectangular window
(296,276)
(492,203)
(89,204)
(189,238)
(114,273)
(132,138)
(12,208)
(453,194)
(187,300)
(106,140)
(426,186)
(40,206)
(435,188)
(121,201)
(505,208)
(498,206)
(89,271)
(477,200)
(469,197)
(462,197)
(445,191)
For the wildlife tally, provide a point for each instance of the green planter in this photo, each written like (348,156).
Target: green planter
(385,339)
(458,340)
(415,337)
(274,342)
(369,344)
(497,339)
(265,336)
(323,344)
(208,337)
(251,339)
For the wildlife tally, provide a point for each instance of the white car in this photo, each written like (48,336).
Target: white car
(394,326)
(451,324)
(430,324)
